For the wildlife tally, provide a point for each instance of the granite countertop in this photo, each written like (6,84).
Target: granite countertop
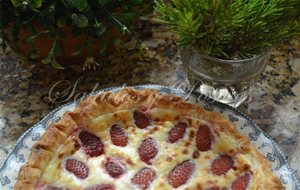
(25,86)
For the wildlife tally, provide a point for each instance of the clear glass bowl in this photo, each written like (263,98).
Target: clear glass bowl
(227,81)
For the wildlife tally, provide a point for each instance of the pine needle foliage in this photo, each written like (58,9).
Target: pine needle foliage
(231,28)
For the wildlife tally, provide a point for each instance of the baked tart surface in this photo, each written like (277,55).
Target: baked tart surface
(142,139)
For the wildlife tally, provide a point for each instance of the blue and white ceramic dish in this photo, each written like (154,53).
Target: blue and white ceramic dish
(20,153)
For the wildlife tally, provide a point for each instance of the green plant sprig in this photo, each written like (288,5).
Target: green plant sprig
(45,18)
(231,28)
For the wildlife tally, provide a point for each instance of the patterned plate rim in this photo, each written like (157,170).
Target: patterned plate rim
(163,89)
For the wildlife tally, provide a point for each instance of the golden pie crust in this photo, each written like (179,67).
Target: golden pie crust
(128,98)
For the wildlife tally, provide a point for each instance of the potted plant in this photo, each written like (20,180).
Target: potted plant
(225,45)
(68,29)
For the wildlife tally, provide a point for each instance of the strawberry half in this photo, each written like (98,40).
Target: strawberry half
(118,136)
(203,138)
(148,150)
(141,120)
(221,165)
(101,187)
(78,168)
(143,178)
(241,183)
(177,132)
(91,144)
(181,173)
(115,168)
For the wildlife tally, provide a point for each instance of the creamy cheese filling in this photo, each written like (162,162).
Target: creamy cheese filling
(169,155)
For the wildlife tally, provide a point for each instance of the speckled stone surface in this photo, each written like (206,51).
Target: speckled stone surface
(25,86)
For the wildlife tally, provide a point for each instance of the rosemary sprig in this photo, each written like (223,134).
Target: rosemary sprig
(230,28)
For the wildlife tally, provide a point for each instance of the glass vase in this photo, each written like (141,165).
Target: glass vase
(227,81)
